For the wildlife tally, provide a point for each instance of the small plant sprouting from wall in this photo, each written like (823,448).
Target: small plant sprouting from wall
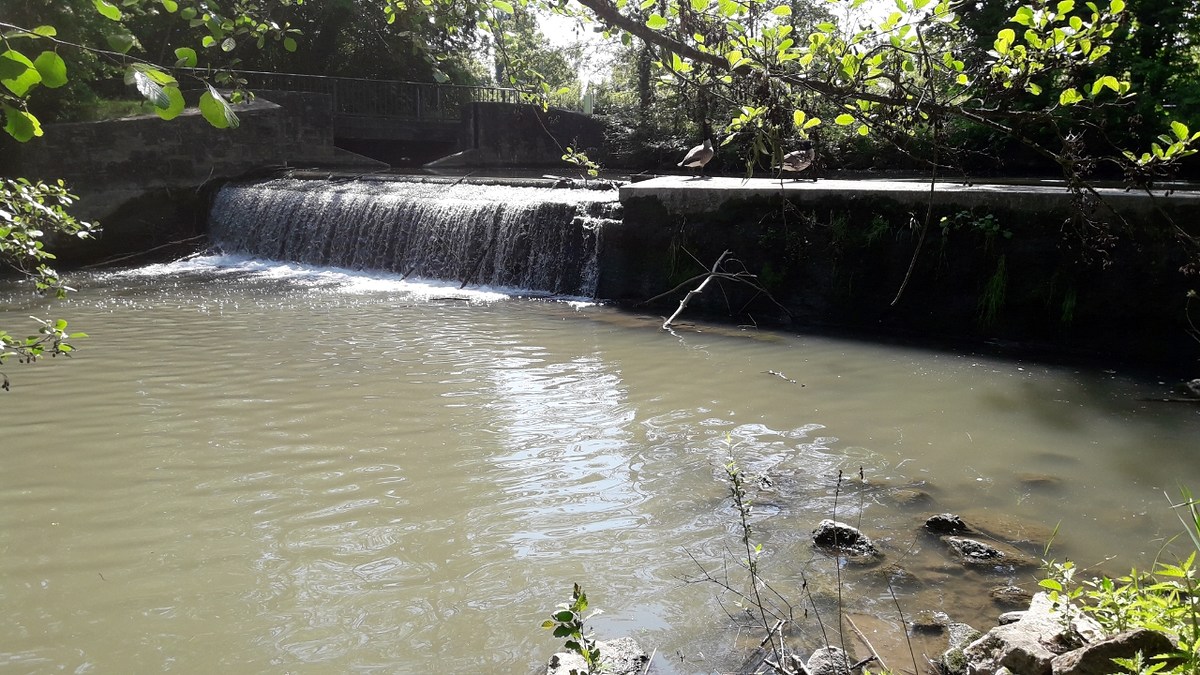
(879,227)
(587,168)
(1069,301)
(992,299)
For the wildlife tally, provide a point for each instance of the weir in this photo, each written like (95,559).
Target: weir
(998,263)
(529,238)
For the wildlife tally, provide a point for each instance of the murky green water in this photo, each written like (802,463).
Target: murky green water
(271,469)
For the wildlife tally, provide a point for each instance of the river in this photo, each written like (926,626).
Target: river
(257,467)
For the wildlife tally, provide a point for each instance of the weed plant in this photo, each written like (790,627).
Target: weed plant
(1166,600)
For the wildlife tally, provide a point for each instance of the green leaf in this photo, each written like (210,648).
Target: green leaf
(1069,96)
(656,22)
(289,44)
(700,5)
(1105,81)
(1050,584)
(845,119)
(52,69)
(798,117)
(120,41)
(1180,129)
(1117,6)
(107,9)
(215,109)
(812,122)
(503,6)
(782,10)
(17,73)
(45,31)
(20,124)
(170,5)
(147,85)
(1065,7)
(175,104)
(185,57)
(1024,16)
(564,616)
(863,130)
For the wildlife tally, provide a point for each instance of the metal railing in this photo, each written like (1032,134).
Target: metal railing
(420,101)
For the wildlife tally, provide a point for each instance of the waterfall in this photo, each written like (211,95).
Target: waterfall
(535,239)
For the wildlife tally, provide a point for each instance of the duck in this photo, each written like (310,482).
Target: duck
(698,156)
(800,159)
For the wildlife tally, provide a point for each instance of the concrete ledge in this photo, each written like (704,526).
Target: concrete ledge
(690,194)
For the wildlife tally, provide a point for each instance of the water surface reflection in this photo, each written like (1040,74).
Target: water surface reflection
(256,468)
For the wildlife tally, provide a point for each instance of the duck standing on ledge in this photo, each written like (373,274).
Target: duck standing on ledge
(698,156)
(799,160)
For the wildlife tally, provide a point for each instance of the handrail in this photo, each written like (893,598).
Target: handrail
(364,97)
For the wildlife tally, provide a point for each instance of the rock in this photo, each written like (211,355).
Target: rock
(844,538)
(946,523)
(961,635)
(975,553)
(1010,617)
(622,656)
(1096,659)
(911,497)
(1192,387)
(828,661)
(929,621)
(1039,481)
(1010,596)
(1027,646)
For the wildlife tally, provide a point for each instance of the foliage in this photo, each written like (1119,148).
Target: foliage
(29,213)
(1166,600)
(568,622)
(578,158)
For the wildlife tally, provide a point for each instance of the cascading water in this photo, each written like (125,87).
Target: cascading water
(535,239)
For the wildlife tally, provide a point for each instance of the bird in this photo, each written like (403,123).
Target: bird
(799,160)
(698,156)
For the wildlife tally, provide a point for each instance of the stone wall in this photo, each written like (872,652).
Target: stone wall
(142,177)
(522,135)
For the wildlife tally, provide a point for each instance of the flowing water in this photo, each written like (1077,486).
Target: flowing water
(260,467)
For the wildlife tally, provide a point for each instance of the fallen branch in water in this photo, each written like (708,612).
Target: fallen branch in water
(697,290)
(714,273)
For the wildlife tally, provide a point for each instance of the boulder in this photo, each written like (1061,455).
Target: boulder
(828,661)
(844,539)
(946,523)
(961,635)
(622,656)
(1027,646)
(1097,658)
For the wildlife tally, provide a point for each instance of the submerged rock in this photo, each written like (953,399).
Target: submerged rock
(845,539)
(1010,596)
(946,523)
(622,656)
(975,553)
